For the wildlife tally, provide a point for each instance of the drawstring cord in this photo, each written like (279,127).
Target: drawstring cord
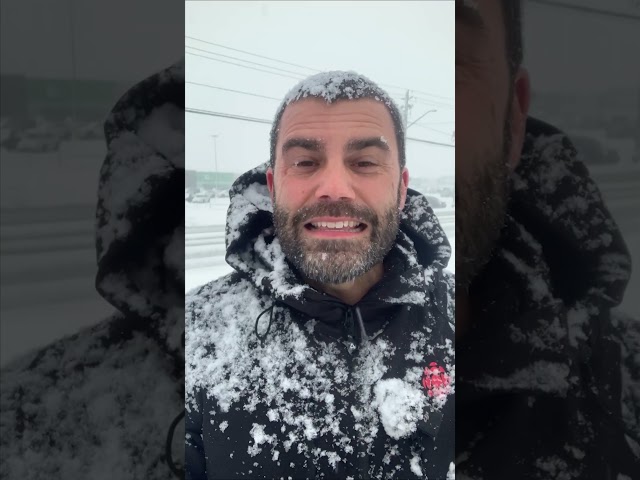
(177,471)
(270,310)
(363,333)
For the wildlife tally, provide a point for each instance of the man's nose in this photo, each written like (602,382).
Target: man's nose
(335,182)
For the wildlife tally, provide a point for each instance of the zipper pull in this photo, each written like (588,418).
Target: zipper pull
(349,326)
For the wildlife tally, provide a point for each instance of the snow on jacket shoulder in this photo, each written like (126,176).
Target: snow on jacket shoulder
(284,381)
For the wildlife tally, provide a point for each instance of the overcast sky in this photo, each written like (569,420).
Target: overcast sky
(403,45)
(114,40)
(409,45)
(572,51)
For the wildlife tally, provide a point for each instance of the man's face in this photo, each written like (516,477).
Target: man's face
(491,110)
(336,187)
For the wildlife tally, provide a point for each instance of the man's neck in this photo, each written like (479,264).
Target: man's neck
(352,292)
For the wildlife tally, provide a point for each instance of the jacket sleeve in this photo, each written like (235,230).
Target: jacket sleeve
(194,456)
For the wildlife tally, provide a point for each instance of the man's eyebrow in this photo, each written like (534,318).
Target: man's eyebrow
(306,143)
(361,143)
(469,16)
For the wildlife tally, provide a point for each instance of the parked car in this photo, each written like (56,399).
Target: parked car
(200,198)
(435,202)
(593,152)
(38,139)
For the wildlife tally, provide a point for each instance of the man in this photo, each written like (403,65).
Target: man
(101,403)
(540,265)
(329,351)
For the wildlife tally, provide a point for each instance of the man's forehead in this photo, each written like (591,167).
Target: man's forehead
(313,113)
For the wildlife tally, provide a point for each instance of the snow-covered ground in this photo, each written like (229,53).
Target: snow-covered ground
(48,259)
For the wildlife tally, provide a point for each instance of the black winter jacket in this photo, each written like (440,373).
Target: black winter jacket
(284,381)
(540,375)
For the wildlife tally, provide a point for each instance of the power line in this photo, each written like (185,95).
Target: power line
(436,123)
(240,65)
(395,98)
(586,9)
(432,103)
(234,91)
(432,129)
(302,66)
(431,142)
(252,54)
(198,111)
(210,113)
(246,61)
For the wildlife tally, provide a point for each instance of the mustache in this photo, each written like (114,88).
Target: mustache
(334,209)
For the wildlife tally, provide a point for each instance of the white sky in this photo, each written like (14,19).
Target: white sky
(576,52)
(114,40)
(404,44)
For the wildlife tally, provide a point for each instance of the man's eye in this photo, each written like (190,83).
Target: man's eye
(304,163)
(364,164)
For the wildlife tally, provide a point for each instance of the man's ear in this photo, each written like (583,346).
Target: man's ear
(520,100)
(270,181)
(404,184)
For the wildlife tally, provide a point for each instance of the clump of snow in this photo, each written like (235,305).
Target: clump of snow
(451,474)
(415,465)
(541,375)
(400,406)
(163,130)
(331,85)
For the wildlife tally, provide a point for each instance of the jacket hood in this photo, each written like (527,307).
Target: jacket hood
(542,307)
(421,248)
(560,265)
(561,207)
(140,227)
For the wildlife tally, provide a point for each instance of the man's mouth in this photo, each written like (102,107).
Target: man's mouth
(335,227)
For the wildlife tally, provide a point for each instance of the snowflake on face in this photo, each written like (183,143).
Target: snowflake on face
(435,380)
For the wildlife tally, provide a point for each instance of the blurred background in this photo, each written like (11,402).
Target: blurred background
(58,82)
(583,60)
(243,57)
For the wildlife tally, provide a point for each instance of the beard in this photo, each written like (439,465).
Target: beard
(329,261)
(481,207)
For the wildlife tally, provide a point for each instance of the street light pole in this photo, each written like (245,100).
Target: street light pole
(215,157)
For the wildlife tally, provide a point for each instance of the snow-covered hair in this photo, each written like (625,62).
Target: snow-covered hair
(336,86)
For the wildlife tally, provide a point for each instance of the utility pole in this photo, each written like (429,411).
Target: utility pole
(406,112)
(215,157)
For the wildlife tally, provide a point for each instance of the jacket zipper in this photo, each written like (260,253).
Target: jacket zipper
(361,461)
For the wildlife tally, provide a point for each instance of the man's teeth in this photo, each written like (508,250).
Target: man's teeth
(336,224)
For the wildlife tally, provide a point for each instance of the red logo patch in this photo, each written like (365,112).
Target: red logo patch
(435,380)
